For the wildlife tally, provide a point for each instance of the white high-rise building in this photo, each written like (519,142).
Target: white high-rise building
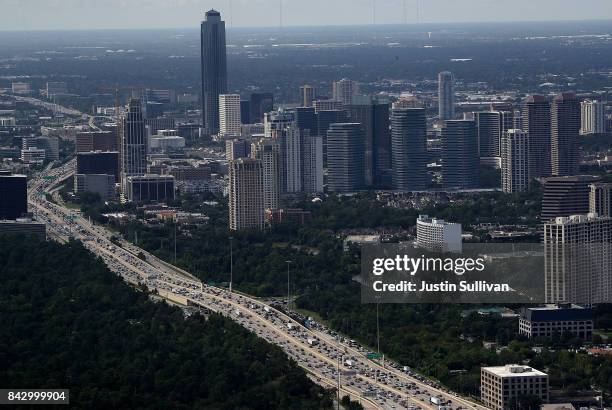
(578,260)
(246,202)
(344,90)
(438,235)
(267,151)
(446,96)
(500,385)
(600,199)
(593,117)
(515,161)
(312,173)
(229,114)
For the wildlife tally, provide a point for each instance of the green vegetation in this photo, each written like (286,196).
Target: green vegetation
(84,329)
(437,340)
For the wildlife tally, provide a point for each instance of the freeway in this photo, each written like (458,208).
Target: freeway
(329,358)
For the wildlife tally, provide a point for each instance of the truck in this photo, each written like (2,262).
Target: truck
(349,362)
(238,313)
(266,309)
(435,400)
(312,341)
(290,325)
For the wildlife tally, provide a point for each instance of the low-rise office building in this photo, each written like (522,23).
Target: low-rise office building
(145,188)
(561,318)
(499,385)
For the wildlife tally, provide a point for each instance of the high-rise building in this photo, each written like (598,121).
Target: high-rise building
(307,93)
(261,103)
(409,149)
(229,114)
(536,123)
(438,235)
(101,184)
(578,260)
(267,151)
(312,163)
(460,161)
(373,115)
(50,144)
(446,96)
(324,120)
(245,111)
(565,134)
(96,141)
(246,199)
(214,68)
(600,199)
(98,163)
(565,196)
(237,148)
(515,161)
(133,152)
(488,124)
(306,120)
(345,152)
(500,386)
(593,117)
(344,90)
(327,105)
(280,126)
(13,195)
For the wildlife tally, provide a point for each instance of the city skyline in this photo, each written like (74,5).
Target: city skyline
(141,14)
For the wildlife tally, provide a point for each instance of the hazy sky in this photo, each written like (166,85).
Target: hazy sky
(83,14)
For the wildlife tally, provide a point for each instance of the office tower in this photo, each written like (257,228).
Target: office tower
(460,162)
(146,188)
(578,260)
(95,141)
(245,111)
(246,194)
(506,122)
(324,121)
(373,115)
(517,121)
(13,195)
(164,96)
(407,102)
(500,386)
(214,68)
(312,164)
(98,163)
(515,161)
(488,124)
(229,114)
(438,235)
(565,134)
(593,117)
(546,321)
(101,184)
(344,91)
(261,103)
(49,144)
(237,148)
(133,152)
(306,120)
(327,105)
(33,155)
(565,196)
(345,157)
(446,96)
(536,123)
(409,149)
(307,94)
(600,199)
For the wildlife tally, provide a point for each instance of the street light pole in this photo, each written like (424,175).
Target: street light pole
(288,291)
(231,263)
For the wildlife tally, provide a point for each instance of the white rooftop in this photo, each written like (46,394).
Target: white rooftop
(514,370)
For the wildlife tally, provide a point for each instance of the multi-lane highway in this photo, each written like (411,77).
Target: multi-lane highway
(329,358)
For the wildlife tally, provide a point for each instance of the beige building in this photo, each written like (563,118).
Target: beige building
(600,199)
(515,161)
(229,114)
(500,384)
(246,194)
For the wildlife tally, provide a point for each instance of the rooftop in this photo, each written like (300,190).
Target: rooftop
(514,370)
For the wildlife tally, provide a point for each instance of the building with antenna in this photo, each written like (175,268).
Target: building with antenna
(214,68)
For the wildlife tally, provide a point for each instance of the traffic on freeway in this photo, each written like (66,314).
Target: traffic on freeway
(330,359)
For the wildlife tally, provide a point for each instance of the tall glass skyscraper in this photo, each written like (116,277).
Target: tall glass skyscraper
(409,139)
(446,96)
(214,69)
(133,141)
